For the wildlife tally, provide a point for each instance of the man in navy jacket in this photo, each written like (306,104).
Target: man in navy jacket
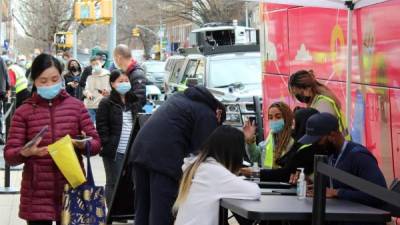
(322,130)
(175,130)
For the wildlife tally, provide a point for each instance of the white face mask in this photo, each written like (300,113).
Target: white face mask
(97,69)
(22,63)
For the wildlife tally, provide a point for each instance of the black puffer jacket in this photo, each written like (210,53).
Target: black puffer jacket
(87,71)
(74,92)
(177,128)
(109,121)
(138,80)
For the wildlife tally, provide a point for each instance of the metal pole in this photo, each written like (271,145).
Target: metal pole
(7,167)
(319,200)
(161,35)
(247,14)
(349,64)
(112,35)
(1,21)
(75,43)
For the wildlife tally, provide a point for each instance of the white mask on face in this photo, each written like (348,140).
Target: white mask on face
(97,69)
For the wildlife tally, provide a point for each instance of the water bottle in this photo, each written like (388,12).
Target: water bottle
(255,172)
(148,108)
(301,185)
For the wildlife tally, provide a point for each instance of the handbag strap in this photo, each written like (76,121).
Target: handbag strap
(89,173)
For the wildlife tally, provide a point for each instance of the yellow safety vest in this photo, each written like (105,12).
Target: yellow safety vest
(21,83)
(303,147)
(182,87)
(269,152)
(342,121)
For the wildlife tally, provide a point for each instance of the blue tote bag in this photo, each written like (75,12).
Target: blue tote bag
(84,204)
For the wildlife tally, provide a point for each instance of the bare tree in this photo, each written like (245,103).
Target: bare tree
(206,11)
(40,19)
(137,12)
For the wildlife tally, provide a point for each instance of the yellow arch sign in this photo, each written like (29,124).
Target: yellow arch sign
(337,43)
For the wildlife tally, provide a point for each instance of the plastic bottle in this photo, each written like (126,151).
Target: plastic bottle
(301,185)
(255,172)
(148,108)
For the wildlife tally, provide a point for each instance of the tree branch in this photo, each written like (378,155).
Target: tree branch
(25,30)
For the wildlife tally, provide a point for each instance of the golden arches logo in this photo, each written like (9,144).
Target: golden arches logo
(337,44)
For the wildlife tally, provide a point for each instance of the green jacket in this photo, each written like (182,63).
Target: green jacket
(256,153)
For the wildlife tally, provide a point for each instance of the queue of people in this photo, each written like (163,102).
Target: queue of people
(183,159)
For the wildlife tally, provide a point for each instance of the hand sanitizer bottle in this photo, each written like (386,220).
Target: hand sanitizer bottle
(301,185)
(255,172)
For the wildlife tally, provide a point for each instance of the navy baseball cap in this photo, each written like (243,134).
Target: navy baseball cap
(319,125)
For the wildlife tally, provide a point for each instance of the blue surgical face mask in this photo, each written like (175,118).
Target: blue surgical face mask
(49,92)
(123,88)
(276,126)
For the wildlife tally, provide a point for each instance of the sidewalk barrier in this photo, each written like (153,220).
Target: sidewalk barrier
(7,115)
(323,170)
(122,205)
(10,109)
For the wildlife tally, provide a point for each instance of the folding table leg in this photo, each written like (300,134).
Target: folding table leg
(223,216)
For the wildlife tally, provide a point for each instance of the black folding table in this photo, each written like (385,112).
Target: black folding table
(285,208)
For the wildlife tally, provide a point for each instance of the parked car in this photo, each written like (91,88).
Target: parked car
(231,73)
(155,72)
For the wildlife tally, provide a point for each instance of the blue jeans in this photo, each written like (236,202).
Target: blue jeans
(113,168)
(92,113)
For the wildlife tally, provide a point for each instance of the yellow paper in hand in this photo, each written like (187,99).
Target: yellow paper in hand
(64,155)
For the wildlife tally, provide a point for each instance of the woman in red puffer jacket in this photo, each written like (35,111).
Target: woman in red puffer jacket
(42,182)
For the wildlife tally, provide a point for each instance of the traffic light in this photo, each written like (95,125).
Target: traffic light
(94,11)
(64,39)
(85,12)
(106,12)
(136,32)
